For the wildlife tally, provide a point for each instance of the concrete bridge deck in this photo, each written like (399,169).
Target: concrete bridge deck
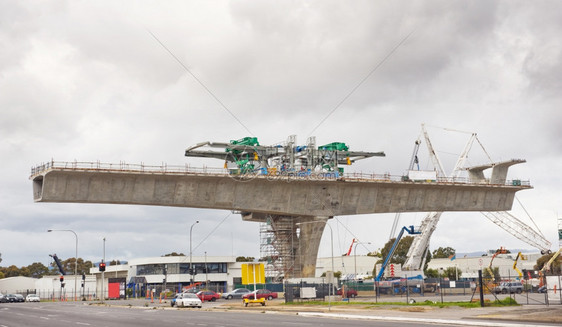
(312,195)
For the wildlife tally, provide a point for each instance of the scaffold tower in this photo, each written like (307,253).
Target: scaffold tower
(278,246)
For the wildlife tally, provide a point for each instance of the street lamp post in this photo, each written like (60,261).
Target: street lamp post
(332,248)
(103,274)
(355,256)
(75,256)
(191,270)
(206,273)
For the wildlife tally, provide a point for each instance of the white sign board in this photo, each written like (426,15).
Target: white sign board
(330,277)
(422,175)
(308,293)
(554,283)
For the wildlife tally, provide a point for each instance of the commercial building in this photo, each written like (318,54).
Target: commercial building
(155,274)
(223,273)
(469,266)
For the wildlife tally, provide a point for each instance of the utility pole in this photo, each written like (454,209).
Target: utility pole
(103,274)
(191,270)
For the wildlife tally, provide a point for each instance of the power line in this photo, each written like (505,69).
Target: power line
(214,229)
(200,82)
(350,232)
(362,81)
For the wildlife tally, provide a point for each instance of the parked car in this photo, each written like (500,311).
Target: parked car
(188,300)
(349,292)
(11,298)
(3,299)
(19,298)
(509,287)
(32,298)
(235,294)
(176,297)
(260,294)
(208,296)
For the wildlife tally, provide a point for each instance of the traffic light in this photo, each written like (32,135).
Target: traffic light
(61,279)
(102,266)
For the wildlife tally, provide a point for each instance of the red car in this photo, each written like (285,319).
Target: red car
(208,296)
(261,294)
(349,292)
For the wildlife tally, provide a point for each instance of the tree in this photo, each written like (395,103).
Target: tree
(401,250)
(114,262)
(554,267)
(431,273)
(174,254)
(452,273)
(441,252)
(375,254)
(83,267)
(496,274)
(11,271)
(337,274)
(37,270)
(245,259)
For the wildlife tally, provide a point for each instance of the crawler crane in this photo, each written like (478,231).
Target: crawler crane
(416,254)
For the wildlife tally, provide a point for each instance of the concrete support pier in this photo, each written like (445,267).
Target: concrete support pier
(292,243)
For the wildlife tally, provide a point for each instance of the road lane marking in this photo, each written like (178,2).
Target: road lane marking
(418,320)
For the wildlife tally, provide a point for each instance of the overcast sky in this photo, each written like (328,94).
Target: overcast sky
(90,80)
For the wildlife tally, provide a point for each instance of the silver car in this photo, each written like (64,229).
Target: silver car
(235,294)
(509,287)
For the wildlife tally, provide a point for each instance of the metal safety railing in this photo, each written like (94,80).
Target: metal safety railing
(257,173)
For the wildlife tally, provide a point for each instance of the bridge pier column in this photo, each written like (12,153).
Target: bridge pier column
(310,234)
(289,243)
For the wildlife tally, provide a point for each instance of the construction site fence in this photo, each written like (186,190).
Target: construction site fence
(270,174)
(438,290)
(61,295)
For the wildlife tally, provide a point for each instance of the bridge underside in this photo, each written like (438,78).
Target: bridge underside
(298,207)
(295,197)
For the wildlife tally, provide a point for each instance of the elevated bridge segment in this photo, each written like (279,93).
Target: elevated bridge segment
(315,197)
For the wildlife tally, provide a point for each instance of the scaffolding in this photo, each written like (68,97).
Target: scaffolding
(278,247)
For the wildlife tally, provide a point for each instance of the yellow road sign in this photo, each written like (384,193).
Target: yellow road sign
(253,273)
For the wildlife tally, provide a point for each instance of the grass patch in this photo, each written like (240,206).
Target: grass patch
(508,301)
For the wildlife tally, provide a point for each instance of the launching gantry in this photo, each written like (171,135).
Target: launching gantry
(293,190)
(247,156)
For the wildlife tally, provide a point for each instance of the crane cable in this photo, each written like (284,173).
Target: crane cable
(377,66)
(528,215)
(199,81)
